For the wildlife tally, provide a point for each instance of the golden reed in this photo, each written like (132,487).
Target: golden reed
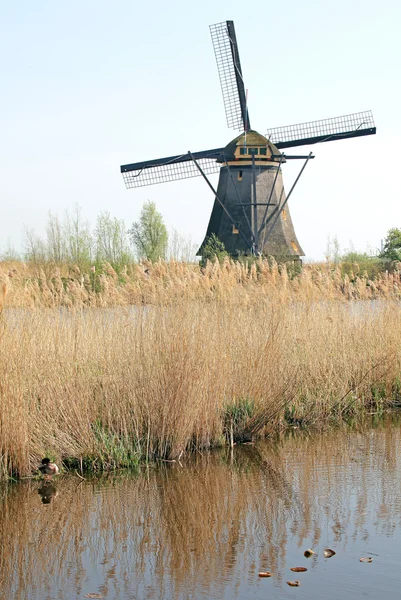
(107,369)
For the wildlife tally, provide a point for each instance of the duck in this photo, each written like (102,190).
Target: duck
(48,468)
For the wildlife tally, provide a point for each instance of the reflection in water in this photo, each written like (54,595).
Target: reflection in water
(205,530)
(47,492)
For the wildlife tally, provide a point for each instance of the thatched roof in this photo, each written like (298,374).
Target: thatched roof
(253,138)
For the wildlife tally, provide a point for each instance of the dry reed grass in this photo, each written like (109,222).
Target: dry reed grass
(181,359)
(32,285)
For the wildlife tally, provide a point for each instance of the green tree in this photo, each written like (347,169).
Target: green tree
(78,238)
(54,239)
(392,245)
(111,240)
(34,246)
(149,235)
(213,250)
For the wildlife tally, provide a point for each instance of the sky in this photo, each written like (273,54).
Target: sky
(90,85)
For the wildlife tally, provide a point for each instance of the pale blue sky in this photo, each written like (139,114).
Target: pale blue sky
(87,86)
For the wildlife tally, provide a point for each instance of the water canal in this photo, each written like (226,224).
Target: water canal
(204,529)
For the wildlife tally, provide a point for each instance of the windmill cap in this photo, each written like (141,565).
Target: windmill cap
(249,138)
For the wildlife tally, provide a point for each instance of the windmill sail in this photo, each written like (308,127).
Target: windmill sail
(325,130)
(170,168)
(230,73)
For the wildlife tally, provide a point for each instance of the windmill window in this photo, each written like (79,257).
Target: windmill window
(239,176)
(284,213)
(253,150)
(242,150)
(235,230)
(263,151)
(295,247)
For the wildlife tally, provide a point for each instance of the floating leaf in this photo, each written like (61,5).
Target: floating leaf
(309,553)
(298,569)
(295,583)
(366,559)
(328,553)
(265,574)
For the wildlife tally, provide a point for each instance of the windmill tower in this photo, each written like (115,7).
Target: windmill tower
(250,214)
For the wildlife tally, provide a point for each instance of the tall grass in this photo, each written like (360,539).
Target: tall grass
(181,359)
(46,284)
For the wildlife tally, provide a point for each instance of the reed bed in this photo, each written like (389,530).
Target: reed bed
(102,371)
(32,285)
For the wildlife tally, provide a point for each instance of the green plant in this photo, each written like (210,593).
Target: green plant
(236,416)
(113,450)
(111,242)
(392,245)
(149,235)
(213,250)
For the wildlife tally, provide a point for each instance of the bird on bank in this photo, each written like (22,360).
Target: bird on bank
(48,468)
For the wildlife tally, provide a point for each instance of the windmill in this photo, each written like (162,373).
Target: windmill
(250,214)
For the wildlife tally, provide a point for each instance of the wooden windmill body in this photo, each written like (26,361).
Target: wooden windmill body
(251,187)
(250,214)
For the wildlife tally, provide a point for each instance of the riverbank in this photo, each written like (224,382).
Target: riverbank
(213,522)
(111,387)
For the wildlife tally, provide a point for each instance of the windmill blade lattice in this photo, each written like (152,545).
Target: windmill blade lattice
(171,168)
(325,130)
(230,74)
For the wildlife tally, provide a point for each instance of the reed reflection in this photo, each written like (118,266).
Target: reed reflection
(207,526)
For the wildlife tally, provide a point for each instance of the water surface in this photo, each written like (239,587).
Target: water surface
(206,527)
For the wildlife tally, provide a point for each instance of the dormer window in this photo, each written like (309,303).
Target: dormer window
(244,150)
